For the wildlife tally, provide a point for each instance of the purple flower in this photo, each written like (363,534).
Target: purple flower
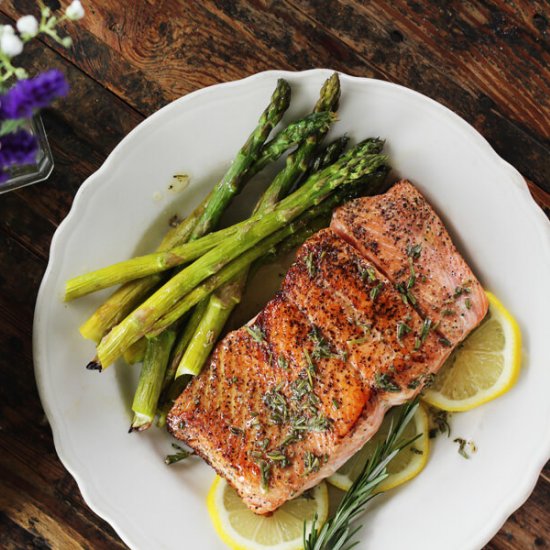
(19,147)
(29,95)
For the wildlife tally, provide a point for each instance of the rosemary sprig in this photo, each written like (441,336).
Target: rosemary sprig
(336,533)
(180,454)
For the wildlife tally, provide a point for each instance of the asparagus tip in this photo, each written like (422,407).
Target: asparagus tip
(94,364)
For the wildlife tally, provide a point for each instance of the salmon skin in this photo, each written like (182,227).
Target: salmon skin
(285,400)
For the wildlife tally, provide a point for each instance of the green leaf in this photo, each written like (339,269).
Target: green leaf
(9,126)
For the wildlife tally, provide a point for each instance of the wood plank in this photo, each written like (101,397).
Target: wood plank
(150,53)
(528,527)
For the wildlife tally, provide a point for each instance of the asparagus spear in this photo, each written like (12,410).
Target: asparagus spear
(224,300)
(329,154)
(183,342)
(234,178)
(136,352)
(352,166)
(150,380)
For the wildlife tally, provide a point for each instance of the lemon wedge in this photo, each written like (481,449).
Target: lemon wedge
(406,465)
(484,366)
(241,529)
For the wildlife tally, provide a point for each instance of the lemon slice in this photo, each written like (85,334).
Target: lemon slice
(241,529)
(406,465)
(483,367)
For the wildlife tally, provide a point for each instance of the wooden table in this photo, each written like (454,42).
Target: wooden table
(488,60)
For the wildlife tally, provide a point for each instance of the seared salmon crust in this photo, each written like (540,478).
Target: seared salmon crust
(366,316)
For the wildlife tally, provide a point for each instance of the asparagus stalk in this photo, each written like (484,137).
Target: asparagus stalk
(224,300)
(329,155)
(115,308)
(352,166)
(234,178)
(183,342)
(150,380)
(143,266)
(219,307)
(136,352)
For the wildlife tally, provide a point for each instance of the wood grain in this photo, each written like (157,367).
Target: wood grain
(488,60)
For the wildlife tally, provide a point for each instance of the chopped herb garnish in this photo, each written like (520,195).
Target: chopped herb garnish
(417,343)
(310,265)
(276,402)
(276,455)
(290,438)
(256,332)
(462,444)
(426,327)
(386,382)
(282,362)
(406,294)
(322,348)
(181,454)
(310,367)
(367,273)
(311,463)
(265,473)
(439,420)
(412,277)
(263,443)
(445,342)
(416,451)
(413,384)
(402,329)
(414,251)
(357,341)
(459,290)
(375,291)
(319,423)
(336,403)
(448,312)
(468,303)
(236,431)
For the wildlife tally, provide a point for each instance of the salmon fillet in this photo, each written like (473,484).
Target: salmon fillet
(287,399)
(400,232)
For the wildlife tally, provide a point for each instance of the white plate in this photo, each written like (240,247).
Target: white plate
(455,503)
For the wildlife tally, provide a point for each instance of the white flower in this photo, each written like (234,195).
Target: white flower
(27,25)
(6,29)
(10,44)
(75,10)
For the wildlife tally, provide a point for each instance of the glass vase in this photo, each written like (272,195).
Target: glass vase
(27,174)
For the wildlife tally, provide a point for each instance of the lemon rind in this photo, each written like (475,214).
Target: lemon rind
(508,377)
